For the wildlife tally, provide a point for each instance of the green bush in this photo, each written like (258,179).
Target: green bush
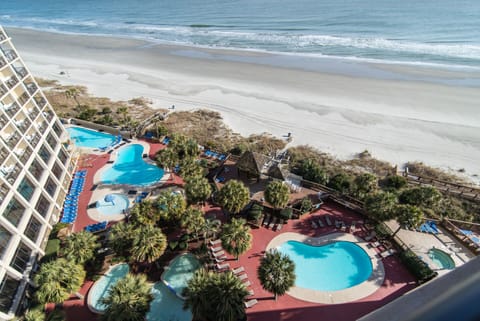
(182,246)
(172,245)
(417,266)
(286,214)
(306,205)
(51,250)
(57,227)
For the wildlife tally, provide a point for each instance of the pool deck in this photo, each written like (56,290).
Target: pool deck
(356,292)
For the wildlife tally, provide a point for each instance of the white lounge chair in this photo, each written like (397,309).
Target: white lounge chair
(216,249)
(373,244)
(238,270)
(242,276)
(220,259)
(223,266)
(353,227)
(216,242)
(320,222)
(387,253)
(369,237)
(327,219)
(218,254)
(250,303)
(314,225)
(250,293)
(247,283)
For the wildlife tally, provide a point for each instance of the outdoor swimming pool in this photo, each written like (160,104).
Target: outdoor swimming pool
(130,168)
(102,286)
(179,272)
(112,204)
(83,137)
(441,259)
(166,305)
(330,267)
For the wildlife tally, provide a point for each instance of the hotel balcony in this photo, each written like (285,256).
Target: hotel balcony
(3,155)
(3,90)
(25,154)
(11,172)
(21,72)
(33,112)
(41,102)
(31,87)
(48,115)
(10,54)
(11,82)
(23,124)
(24,98)
(12,140)
(42,127)
(3,120)
(11,109)
(2,62)
(3,36)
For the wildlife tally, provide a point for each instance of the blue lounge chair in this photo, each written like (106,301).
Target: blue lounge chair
(433,226)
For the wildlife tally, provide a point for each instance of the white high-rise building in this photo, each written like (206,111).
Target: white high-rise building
(35,171)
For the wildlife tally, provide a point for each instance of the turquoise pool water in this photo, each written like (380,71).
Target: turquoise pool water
(441,259)
(180,271)
(330,267)
(83,137)
(102,286)
(118,204)
(130,168)
(166,306)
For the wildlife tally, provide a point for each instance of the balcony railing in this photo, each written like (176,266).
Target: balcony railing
(31,87)
(33,112)
(13,140)
(42,127)
(3,90)
(3,120)
(11,109)
(26,155)
(2,62)
(3,36)
(3,155)
(48,115)
(23,125)
(12,175)
(40,101)
(21,72)
(33,139)
(24,98)
(11,82)
(10,54)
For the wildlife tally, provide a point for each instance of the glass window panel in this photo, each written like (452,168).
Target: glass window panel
(5,237)
(43,205)
(33,229)
(44,154)
(51,186)
(14,212)
(21,258)
(26,188)
(8,289)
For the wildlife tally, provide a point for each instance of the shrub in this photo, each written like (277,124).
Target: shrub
(417,266)
(286,213)
(306,205)
(172,245)
(51,250)
(182,246)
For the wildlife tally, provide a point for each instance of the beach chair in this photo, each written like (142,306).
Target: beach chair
(434,227)
(247,283)
(216,249)
(314,224)
(272,223)
(327,219)
(242,276)
(373,244)
(219,253)
(337,223)
(238,270)
(220,259)
(343,226)
(387,253)
(320,222)
(266,219)
(250,293)
(353,227)
(250,303)
(223,266)
(215,242)
(279,226)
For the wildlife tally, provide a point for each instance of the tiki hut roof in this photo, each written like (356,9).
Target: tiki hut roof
(252,163)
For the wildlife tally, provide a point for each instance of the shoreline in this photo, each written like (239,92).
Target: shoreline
(396,120)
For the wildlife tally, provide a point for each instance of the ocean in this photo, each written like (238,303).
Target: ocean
(441,33)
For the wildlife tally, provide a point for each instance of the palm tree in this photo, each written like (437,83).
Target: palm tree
(73,92)
(422,196)
(128,300)
(276,273)
(236,237)
(80,247)
(225,289)
(149,244)
(197,189)
(365,184)
(211,228)
(35,314)
(145,213)
(193,221)
(124,112)
(171,205)
(167,159)
(56,280)
(407,215)
(277,194)
(121,238)
(233,196)
(341,182)
(190,169)
(380,206)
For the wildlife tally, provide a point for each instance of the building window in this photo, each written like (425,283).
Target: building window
(14,212)
(57,170)
(51,186)
(3,191)
(62,156)
(21,258)
(44,154)
(33,229)
(52,141)
(8,289)
(36,170)
(43,205)
(57,128)
(26,188)
(4,240)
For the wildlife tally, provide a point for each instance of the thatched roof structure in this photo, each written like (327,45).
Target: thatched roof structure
(252,163)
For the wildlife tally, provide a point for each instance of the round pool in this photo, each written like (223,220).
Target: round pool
(330,267)
(441,259)
(179,272)
(166,306)
(115,204)
(102,286)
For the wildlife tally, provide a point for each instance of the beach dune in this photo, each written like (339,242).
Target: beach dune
(398,113)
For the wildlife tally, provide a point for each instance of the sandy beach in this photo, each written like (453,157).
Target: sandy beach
(397,113)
